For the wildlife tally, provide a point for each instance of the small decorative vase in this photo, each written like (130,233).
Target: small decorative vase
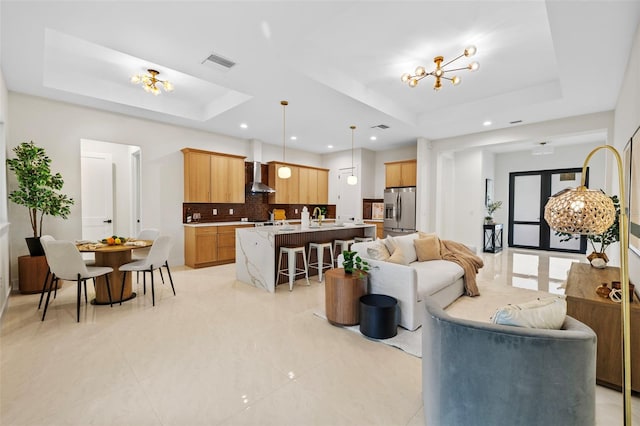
(598,260)
(603,290)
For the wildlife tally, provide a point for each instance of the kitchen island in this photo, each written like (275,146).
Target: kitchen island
(257,248)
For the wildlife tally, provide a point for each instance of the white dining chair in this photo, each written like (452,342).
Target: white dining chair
(66,263)
(157,258)
(149,234)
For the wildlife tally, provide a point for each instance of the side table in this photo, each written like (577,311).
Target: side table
(342,296)
(604,317)
(492,238)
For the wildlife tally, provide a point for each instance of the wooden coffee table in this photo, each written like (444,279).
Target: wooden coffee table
(604,317)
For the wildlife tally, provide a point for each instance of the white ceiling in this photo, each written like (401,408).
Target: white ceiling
(337,63)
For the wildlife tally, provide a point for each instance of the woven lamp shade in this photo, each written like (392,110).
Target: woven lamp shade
(580,211)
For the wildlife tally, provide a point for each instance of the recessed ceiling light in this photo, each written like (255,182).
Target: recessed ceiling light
(487,123)
(330,146)
(243,125)
(373,138)
(294,138)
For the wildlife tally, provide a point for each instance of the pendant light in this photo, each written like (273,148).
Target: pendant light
(352,180)
(284,172)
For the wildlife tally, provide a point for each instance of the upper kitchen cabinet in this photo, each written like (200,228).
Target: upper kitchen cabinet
(307,185)
(286,189)
(212,177)
(400,173)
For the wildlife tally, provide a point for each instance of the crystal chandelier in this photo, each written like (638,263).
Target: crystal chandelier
(150,80)
(439,72)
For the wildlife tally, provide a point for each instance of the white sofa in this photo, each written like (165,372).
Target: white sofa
(441,280)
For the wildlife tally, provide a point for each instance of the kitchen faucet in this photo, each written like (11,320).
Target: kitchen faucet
(317,213)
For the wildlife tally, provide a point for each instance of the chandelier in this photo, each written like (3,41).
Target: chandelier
(439,72)
(150,80)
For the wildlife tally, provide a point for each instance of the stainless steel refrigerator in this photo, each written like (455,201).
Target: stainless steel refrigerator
(399,211)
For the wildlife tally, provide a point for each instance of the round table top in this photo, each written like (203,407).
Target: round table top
(102,247)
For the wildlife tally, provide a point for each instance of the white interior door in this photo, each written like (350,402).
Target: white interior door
(349,202)
(97,195)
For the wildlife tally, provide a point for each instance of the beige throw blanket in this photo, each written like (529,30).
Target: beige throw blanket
(460,254)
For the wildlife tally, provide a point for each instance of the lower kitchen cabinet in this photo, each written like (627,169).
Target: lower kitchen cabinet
(210,245)
(379,227)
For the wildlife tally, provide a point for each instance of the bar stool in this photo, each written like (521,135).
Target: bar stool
(320,263)
(291,271)
(344,245)
(363,239)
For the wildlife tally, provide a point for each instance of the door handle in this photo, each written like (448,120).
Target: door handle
(107,221)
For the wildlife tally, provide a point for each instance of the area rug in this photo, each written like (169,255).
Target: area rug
(479,308)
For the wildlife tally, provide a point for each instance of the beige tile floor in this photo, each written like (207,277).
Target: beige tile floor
(223,353)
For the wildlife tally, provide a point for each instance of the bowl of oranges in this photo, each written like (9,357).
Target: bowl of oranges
(114,240)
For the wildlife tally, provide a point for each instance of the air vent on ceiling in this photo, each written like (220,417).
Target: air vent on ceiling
(380,126)
(515,122)
(220,60)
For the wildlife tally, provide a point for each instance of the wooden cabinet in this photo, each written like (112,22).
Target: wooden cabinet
(210,245)
(323,186)
(400,173)
(211,177)
(200,246)
(287,190)
(307,185)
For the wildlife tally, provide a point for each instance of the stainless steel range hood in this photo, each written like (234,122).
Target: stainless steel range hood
(257,186)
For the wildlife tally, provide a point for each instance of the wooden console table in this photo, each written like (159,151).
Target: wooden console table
(342,296)
(603,316)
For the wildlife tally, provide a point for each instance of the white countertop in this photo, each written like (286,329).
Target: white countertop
(292,229)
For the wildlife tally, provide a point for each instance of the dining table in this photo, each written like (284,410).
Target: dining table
(113,256)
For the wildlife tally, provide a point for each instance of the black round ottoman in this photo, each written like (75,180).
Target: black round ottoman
(378,316)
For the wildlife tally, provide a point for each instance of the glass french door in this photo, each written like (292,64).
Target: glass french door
(528,194)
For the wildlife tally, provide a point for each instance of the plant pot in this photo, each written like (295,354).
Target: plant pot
(34,246)
(598,260)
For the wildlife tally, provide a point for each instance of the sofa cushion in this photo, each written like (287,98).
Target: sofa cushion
(397,256)
(378,251)
(548,312)
(427,248)
(405,242)
(434,275)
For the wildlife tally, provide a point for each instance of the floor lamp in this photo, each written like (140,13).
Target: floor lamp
(590,212)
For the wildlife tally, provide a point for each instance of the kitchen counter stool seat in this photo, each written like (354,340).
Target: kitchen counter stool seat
(291,270)
(342,245)
(320,264)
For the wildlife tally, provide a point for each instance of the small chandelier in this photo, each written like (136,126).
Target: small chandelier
(284,172)
(150,80)
(439,72)
(352,180)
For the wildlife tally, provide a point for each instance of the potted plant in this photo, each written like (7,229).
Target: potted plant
(37,190)
(352,262)
(491,208)
(604,240)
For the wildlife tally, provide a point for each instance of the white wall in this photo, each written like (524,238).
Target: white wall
(368,173)
(468,198)
(58,127)
(626,121)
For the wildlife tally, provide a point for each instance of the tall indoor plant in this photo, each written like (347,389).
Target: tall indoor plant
(37,189)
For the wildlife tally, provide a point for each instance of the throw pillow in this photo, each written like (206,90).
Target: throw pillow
(378,251)
(548,312)
(397,257)
(427,248)
(389,244)
(425,235)
(405,242)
